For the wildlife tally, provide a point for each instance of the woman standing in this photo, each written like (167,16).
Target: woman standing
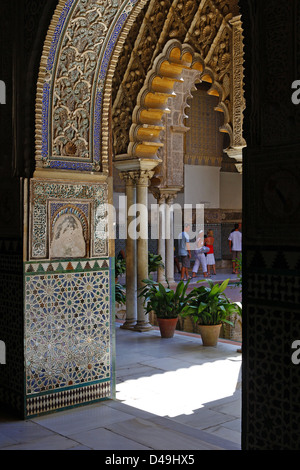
(210,257)
(200,256)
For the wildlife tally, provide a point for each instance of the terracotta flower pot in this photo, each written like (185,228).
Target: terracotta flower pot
(167,326)
(210,334)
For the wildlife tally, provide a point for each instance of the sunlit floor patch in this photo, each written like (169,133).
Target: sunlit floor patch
(184,390)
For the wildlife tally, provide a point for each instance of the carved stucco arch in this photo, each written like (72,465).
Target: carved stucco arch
(115,26)
(152,101)
(83,143)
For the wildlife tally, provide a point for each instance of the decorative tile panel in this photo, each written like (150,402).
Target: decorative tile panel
(204,141)
(67,399)
(68,335)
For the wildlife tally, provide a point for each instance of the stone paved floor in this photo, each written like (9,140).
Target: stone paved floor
(171,394)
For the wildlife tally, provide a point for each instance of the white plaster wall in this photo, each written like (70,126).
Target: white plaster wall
(202,185)
(230,190)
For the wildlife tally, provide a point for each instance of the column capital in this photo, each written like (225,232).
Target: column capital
(140,177)
(170,193)
(140,170)
(167,194)
(237,155)
(143,177)
(127,176)
(157,194)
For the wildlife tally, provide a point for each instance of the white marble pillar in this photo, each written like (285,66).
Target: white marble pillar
(169,239)
(142,183)
(131,255)
(161,243)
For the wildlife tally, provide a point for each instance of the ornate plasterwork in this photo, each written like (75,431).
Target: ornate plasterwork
(238,100)
(87,202)
(206,28)
(74,67)
(81,54)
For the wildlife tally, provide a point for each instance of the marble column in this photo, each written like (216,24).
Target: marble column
(161,245)
(169,239)
(131,255)
(142,183)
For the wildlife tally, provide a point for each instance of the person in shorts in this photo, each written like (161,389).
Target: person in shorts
(210,257)
(235,246)
(184,251)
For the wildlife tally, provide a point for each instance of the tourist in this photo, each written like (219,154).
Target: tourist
(184,251)
(200,256)
(210,257)
(235,247)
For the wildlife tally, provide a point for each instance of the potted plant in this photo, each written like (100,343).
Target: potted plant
(238,264)
(166,303)
(209,307)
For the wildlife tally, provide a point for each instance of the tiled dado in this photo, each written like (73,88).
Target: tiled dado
(68,334)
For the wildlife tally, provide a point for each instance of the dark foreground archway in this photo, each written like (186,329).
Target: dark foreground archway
(271,318)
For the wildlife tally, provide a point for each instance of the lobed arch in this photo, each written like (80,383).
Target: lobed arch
(152,101)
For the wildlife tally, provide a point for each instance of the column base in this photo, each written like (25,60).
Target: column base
(143,326)
(128,325)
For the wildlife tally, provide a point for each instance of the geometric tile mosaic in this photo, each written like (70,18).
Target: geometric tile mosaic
(67,325)
(63,266)
(37,405)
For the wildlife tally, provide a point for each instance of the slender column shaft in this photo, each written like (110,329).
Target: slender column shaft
(161,246)
(169,240)
(131,255)
(142,246)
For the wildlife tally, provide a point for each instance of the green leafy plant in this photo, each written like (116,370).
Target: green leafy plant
(120,293)
(238,264)
(164,301)
(208,305)
(120,266)
(154,262)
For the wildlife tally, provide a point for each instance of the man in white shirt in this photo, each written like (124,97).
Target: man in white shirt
(235,246)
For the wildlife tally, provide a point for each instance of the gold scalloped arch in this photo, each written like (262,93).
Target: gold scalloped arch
(152,101)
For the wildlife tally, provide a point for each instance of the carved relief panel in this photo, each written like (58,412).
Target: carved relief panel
(69,229)
(68,220)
